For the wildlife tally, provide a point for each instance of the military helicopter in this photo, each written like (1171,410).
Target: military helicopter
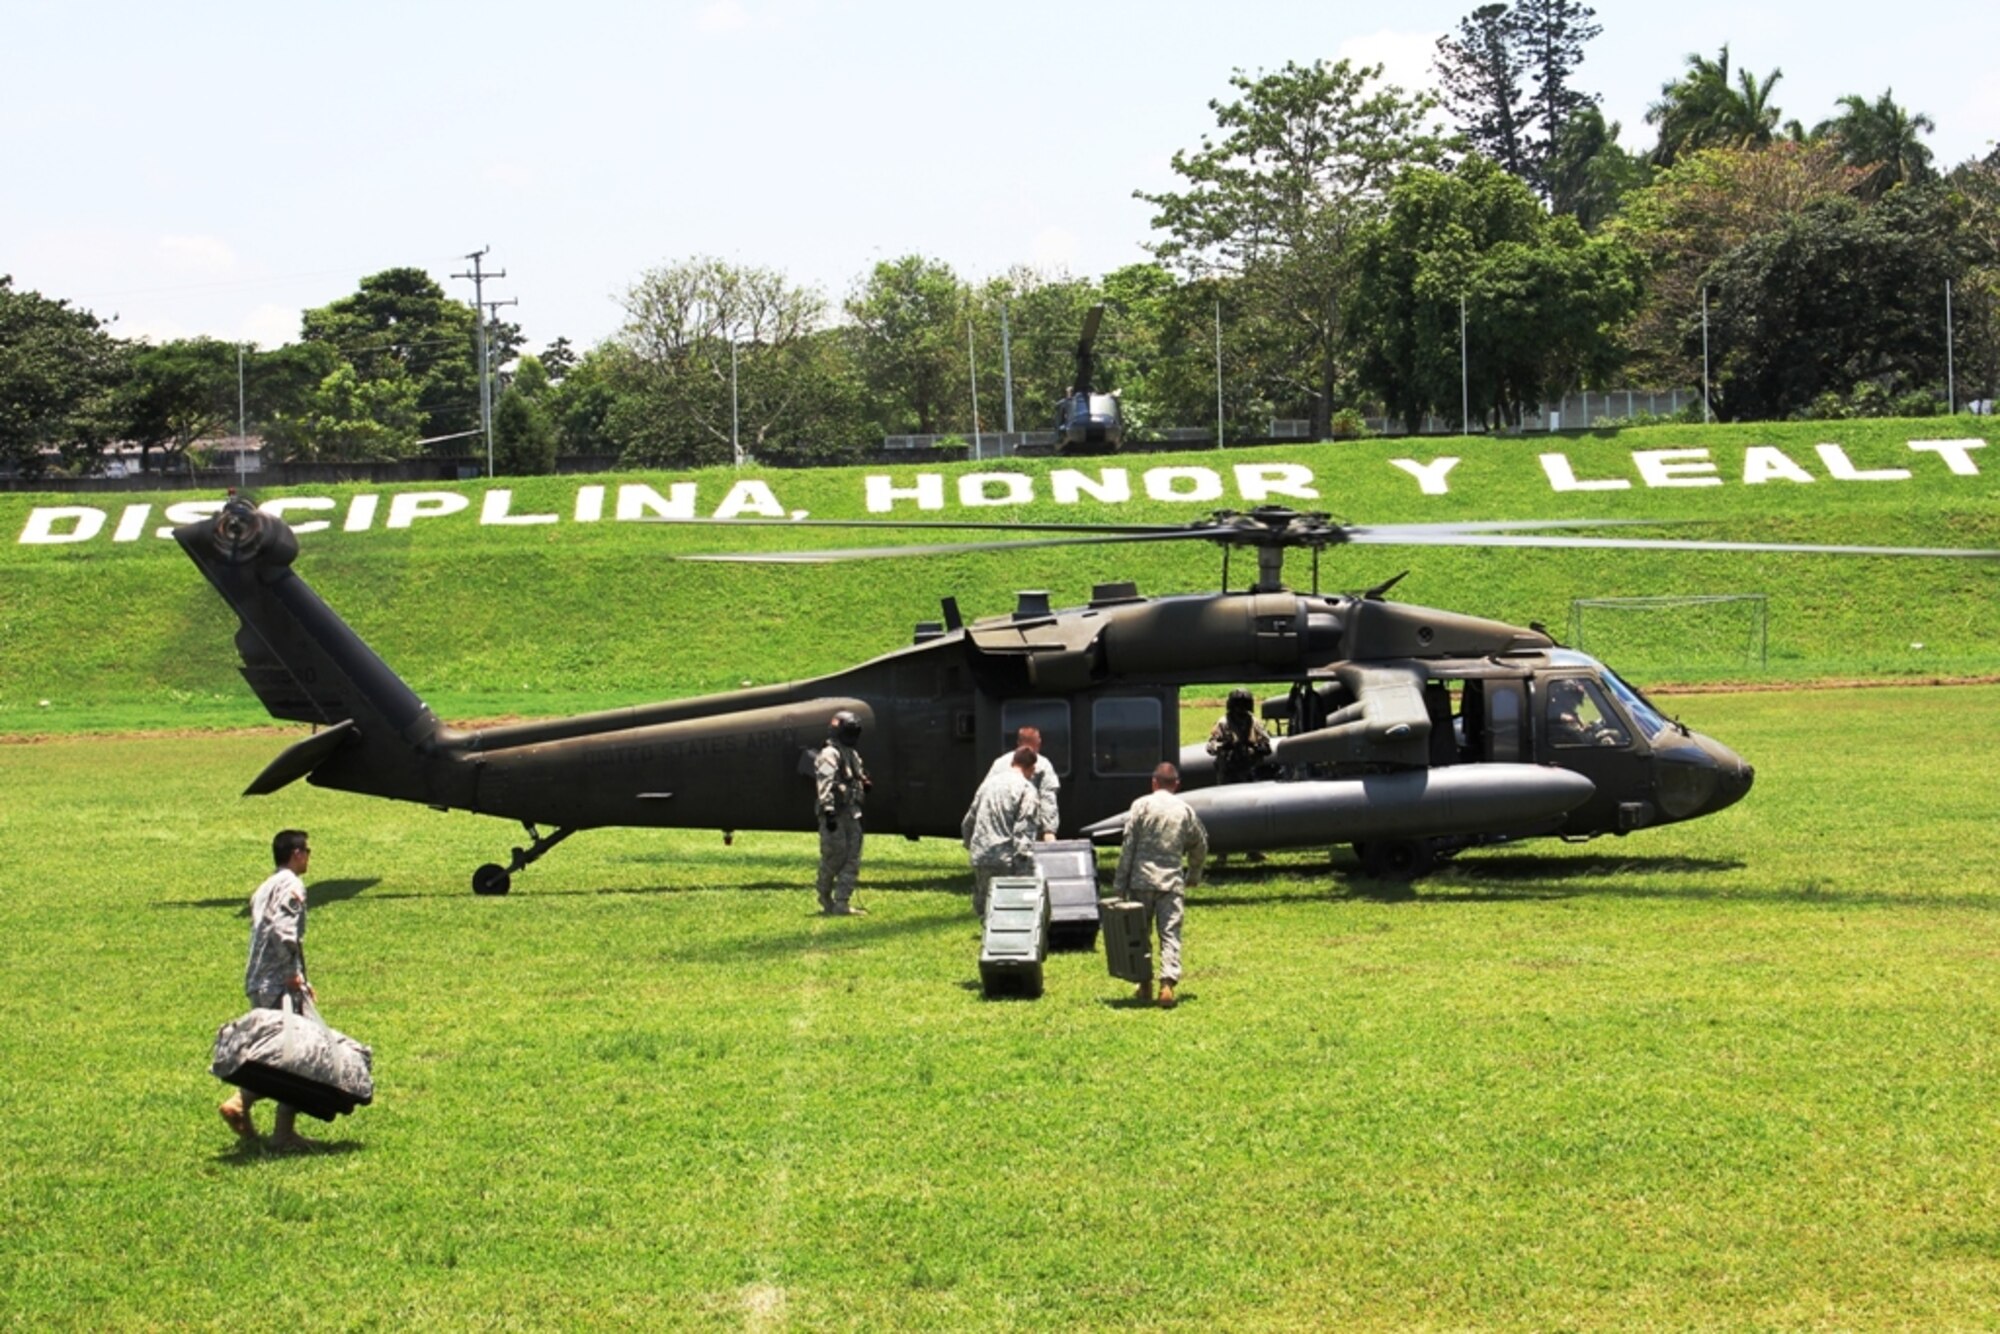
(1407,732)
(1084,419)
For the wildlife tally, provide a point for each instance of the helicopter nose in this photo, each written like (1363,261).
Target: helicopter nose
(1699,776)
(1733,775)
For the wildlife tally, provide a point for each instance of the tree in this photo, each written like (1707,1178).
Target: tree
(1540,298)
(1837,295)
(1482,70)
(1276,205)
(908,326)
(400,325)
(1551,35)
(1479,80)
(582,403)
(1704,109)
(177,393)
(349,419)
(559,358)
(524,442)
(1693,214)
(1880,137)
(1590,174)
(712,351)
(57,368)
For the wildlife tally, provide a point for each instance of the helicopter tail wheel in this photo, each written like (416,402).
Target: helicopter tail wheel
(496,879)
(1403,859)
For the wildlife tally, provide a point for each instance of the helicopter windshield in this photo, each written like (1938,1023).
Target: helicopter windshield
(1644,715)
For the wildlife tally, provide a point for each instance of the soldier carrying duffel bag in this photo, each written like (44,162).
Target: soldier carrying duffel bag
(282,1049)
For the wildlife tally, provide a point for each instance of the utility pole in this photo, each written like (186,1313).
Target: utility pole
(479,277)
(490,315)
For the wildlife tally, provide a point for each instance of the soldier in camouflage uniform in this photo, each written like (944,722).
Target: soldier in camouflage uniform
(1238,741)
(1160,831)
(840,780)
(1047,784)
(277,969)
(1000,825)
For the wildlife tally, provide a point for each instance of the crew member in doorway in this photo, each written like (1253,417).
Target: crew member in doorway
(1240,746)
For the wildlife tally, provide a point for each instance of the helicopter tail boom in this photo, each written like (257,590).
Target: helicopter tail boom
(307,665)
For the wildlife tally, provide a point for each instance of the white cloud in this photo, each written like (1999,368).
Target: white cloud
(1055,248)
(269,326)
(196,254)
(722,16)
(1405,57)
(511,175)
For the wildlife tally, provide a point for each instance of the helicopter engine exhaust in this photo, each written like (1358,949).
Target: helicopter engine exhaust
(1469,799)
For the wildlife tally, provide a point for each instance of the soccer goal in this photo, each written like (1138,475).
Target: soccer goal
(1702,632)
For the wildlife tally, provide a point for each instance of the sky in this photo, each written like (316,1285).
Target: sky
(214,168)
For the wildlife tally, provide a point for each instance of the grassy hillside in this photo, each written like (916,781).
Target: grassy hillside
(484,619)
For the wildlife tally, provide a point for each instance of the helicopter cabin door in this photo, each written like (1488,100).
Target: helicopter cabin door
(1104,747)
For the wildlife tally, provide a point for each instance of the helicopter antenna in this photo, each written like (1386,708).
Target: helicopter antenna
(1377,593)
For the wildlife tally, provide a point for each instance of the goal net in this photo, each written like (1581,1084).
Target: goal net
(1712,632)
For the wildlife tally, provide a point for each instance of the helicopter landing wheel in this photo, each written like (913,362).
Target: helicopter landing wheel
(492,879)
(1402,859)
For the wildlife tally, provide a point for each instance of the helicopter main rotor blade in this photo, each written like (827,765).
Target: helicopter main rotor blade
(1448,538)
(932,549)
(962,525)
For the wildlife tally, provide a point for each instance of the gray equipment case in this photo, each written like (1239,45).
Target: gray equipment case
(1128,939)
(1015,939)
(284,1055)
(1070,867)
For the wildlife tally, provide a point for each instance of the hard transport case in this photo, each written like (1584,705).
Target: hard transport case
(1128,939)
(1070,867)
(1015,939)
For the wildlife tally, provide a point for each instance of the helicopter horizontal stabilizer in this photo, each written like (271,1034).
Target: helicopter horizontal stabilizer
(1422,803)
(300,759)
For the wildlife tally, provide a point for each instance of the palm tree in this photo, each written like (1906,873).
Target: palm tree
(1881,137)
(1705,109)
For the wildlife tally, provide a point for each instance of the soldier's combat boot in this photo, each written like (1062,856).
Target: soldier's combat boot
(1166,995)
(1144,993)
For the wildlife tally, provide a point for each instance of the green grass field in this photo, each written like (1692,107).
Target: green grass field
(1737,1074)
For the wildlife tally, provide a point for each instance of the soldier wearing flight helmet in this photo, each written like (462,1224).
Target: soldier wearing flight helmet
(840,781)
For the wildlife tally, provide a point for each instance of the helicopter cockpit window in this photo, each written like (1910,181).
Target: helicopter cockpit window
(1649,719)
(1127,736)
(1578,716)
(1050,717)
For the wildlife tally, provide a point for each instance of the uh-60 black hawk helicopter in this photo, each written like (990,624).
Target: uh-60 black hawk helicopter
(1405,731)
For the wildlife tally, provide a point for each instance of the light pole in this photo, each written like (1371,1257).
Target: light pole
(735,421)
(972,364)
(1704,355)
(1950,384)
(1464,378)
(1218,372)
